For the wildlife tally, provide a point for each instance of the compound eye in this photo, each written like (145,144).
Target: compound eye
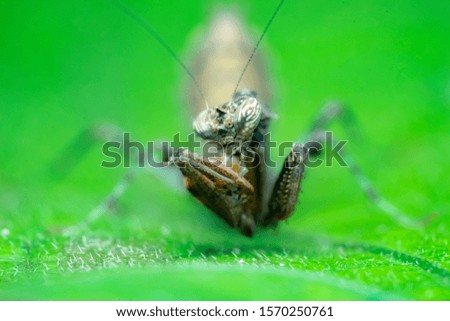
(247,116)
(206,125)
(228,121)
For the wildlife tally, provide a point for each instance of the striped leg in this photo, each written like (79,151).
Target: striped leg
(287,187)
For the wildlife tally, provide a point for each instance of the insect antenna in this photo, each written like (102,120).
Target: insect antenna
(257,45)
(155,35)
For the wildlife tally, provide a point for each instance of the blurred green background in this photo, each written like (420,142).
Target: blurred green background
(65,65)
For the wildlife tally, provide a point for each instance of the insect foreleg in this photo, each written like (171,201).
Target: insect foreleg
(219,187)
(287,186)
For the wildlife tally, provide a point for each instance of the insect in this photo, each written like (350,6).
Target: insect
(233,117)
(230,186)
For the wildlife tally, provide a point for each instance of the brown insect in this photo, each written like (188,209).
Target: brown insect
(234,186)
(231,185)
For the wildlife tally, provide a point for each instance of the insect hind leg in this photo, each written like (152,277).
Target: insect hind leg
(336,112)
(92,137)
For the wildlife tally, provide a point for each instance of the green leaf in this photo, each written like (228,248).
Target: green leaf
(69,65)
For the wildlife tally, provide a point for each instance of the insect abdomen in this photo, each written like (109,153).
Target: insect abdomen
(219,61)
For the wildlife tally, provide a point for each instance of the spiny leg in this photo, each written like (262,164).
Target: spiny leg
(220,188)
(287,186)
(333,112)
